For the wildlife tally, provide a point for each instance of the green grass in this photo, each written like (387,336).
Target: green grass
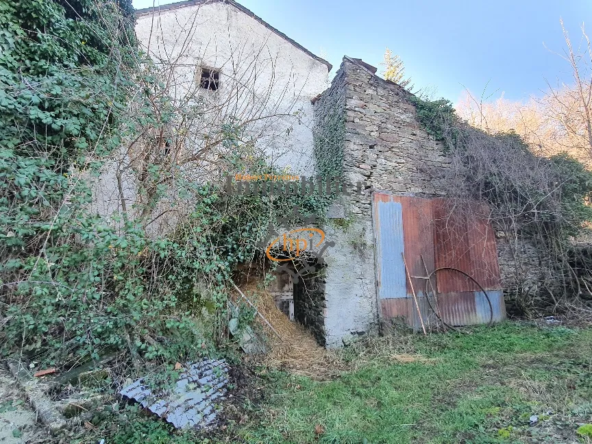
(481,387)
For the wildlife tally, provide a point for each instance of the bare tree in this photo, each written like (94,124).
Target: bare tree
(570,106)
(559,121)
(185,132)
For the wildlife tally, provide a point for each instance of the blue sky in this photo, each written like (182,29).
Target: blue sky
(446,45)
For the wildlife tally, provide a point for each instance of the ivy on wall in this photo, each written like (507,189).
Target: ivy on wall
(544,200)
(329,131)
(73,285)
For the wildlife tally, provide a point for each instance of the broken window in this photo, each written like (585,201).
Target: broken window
(209,79)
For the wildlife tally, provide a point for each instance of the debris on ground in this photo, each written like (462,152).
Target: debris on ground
(297,351)
(48,371)
(552,320)
(35,390)
(191,403)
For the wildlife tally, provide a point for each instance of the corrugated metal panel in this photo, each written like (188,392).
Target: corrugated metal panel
(452,247)
(395,308)
(419,240)
(471,307)
(192,401)
(485,267)
(428,316)
(458,308)
(497,303)
(388,229)
(446,235)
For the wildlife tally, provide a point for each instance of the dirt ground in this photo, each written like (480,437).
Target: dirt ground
(18,422)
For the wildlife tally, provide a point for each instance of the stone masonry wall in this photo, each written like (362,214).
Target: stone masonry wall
(384,148)
(350,298)
(387,149)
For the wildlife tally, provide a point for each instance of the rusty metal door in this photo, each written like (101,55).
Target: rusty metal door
(443,235)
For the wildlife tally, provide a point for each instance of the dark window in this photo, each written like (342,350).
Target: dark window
(210,79)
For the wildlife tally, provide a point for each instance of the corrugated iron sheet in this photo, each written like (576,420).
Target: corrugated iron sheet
(446,235)
(191,402)
(471,307)
(452,247)
(419,240)
(388,222)
(395,308)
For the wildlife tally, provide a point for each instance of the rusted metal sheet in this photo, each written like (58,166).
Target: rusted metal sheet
(446,234)
(395,308)
(388,229)
(471,307)
(404,308)
(418,239)
(452,247)
(427,315)
(458,308)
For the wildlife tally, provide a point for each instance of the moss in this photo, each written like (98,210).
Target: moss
(505,433)
(585,430)
(344,224)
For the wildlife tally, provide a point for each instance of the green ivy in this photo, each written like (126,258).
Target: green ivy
(73,285)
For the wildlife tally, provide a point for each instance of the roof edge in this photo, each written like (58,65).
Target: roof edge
(186,3)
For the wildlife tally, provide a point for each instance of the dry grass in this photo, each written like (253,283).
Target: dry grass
(297,351)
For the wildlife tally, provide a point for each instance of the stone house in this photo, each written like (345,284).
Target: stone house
(386,236)
(238,59)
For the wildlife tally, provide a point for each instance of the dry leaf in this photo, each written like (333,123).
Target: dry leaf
(178,366)
(319,429)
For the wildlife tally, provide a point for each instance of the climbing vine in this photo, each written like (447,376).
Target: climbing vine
(329,132)
(76,285)
(542,200)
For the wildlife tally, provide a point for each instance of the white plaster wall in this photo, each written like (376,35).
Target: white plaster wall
(263,74)
(350,293)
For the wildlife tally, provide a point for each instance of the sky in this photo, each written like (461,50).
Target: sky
(491,48)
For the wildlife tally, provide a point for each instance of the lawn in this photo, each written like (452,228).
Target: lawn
(512,383)
(480,387)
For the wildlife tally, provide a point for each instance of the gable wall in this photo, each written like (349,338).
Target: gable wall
(274,77)
(386,149)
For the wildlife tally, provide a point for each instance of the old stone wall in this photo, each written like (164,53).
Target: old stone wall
(350,298)
(381,146)
(525,269)
(387,149)
(384,148)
